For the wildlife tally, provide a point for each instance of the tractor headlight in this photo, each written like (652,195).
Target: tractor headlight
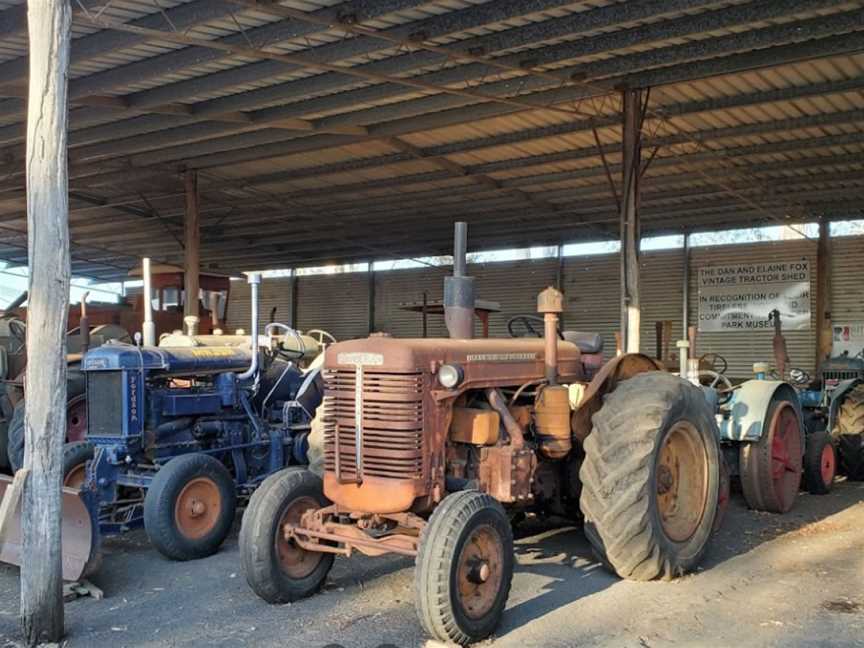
(450,375)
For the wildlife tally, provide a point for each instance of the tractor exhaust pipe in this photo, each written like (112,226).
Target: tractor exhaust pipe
(84,324)
(254,282)
(459,290)
(148,329)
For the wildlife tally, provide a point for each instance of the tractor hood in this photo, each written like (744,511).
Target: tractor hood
(482,361)
(171,362)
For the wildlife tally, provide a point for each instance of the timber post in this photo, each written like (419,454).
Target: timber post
(191,246)
(49,23)
(629,220)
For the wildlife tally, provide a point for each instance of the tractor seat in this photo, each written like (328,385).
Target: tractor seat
(585,342)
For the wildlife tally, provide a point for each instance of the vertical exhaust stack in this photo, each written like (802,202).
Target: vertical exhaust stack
(254,282)
(148,329)
(459,290)
(84,324)
(550,303)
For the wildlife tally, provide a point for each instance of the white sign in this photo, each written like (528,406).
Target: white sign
(740,297)
(848,338)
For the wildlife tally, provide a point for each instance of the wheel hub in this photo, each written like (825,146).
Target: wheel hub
(295,561)
(480,571)
(197,508)
(681,476)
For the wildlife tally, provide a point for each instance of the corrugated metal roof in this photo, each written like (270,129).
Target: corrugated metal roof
(770,90)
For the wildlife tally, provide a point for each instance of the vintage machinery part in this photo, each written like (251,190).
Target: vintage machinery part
(711,379)
(191,323)
(552,421)
(670,508)
(820,463)
(550,303)
(80,536)
(771,467)
(148,328)
(459,294)
(605,381)
(499,404)
(76,418)
(798,376)
(254,283)
(682,481)
(527,320)
(778,343)
(319,335)
(84,324)
(709,361)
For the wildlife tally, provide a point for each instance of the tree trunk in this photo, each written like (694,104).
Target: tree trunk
(48,250)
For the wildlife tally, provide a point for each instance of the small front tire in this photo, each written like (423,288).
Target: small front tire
(276,568)
(189,507)
(820,463)
(75,458)
(464,568)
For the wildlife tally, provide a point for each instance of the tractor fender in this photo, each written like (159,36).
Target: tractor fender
(617,369)
(837,397)
(749,408)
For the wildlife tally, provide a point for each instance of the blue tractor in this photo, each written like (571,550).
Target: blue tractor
(834,406)
(178,435)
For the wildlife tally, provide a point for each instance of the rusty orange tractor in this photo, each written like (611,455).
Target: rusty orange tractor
(431,446)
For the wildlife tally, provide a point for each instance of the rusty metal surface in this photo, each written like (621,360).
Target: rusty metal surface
(619,368)
(506,473)
(77,534)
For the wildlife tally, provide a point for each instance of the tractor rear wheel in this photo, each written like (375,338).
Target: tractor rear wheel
(75,458)
(850,434)
(189,507)
(651,477)
(820,463)
(15,435)
(771,467)
(276,568)
(464,567)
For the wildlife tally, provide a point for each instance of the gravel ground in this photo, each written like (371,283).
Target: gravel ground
(793,580)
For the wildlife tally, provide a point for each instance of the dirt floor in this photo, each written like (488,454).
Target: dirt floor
(793,580)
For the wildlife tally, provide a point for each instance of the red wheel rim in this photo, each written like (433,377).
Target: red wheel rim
(76,420)
(828,464)
(785,454)
(198,508)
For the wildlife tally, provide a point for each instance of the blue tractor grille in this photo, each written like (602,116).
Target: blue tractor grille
(105,403)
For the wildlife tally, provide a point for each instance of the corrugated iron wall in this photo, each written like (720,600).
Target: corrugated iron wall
(340,303)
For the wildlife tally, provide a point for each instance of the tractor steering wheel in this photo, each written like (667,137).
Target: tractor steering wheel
(319,335)
(712,360)
(527,322)
(798,376)
(715,378)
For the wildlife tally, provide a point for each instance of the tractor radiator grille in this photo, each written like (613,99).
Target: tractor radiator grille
(838,376)
(391,431)
(105,403)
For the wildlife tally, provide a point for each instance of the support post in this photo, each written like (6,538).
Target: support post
(371,291)
(685,289)
(824,340)
(629,220)
(191,247)
(49,24)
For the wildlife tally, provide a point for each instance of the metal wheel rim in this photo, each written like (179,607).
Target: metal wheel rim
(76,420)
(479,572)
(682,481)
(76,476)
(198,508)
(785,454)
(293,560)
(827,464)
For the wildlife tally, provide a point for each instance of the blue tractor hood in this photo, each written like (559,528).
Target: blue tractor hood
(167,361)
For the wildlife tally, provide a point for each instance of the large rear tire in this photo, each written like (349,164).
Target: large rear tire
(276,568)
(464,568)
(651,477)
(850,434)
(189,507)
(75,458)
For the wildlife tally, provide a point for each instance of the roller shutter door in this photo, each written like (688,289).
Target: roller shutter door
(337,303)
(274,293)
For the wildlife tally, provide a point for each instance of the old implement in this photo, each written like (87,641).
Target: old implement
(80,538)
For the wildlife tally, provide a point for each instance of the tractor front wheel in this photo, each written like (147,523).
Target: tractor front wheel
(464,568)
(276,568)
(651,477)
(75,458)
(189,507)
(771,467)
(820,463)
